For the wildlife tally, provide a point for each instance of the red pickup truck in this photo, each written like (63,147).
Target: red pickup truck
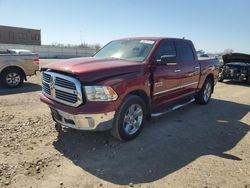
(127,81)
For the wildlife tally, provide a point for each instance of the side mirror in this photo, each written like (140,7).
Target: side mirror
(167,59)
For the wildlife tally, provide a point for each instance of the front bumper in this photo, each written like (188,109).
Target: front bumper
(95,122)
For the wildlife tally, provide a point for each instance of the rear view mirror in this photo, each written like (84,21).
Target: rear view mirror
(167,59)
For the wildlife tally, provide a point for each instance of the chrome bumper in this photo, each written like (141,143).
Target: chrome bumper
(95,122)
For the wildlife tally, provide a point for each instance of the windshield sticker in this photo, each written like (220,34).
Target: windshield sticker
(147,41)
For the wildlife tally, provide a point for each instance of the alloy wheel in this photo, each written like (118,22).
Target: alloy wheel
(133,119)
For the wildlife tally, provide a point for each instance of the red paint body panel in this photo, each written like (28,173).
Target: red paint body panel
(209,66)
(129,76)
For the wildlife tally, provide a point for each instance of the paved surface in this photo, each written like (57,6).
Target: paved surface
(196,146)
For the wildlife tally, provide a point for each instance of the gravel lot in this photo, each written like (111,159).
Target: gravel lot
(196,146)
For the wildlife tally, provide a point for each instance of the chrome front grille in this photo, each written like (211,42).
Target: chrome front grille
(62,88)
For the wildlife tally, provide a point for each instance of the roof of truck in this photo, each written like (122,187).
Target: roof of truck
(151,38)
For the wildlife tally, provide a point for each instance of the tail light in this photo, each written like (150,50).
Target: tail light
(36,61)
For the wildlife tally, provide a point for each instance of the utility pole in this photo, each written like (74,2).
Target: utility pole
(81,36)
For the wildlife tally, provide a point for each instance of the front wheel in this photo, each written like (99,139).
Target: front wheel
(204,95)
(58,127)
(129,119)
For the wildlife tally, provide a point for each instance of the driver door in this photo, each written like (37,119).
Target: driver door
(167,77)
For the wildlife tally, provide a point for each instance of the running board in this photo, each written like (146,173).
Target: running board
(172,109)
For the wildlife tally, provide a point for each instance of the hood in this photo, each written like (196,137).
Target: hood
(92,69)
(236,57)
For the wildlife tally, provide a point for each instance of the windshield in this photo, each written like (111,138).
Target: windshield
(132,50)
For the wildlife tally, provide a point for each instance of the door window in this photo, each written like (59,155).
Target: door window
(184,52)
(166,48)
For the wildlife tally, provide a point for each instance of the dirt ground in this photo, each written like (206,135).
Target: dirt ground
(196,146)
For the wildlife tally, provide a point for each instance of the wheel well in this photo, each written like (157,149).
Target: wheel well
(15,68)
(211,77)
(144,96)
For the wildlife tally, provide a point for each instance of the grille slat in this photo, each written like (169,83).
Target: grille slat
(46,77)
(65,83)
(61,88)
(46,88)
(66,99)
(65,93)
(72,99)
(58,95)
(69,97)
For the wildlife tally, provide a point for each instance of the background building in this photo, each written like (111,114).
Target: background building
(17,35)
(30,39)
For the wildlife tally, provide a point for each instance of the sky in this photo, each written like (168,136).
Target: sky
(213,25)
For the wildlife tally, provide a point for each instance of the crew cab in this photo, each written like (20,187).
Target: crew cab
(127,81)
(16,65)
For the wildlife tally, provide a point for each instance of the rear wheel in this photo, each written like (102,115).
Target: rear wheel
(129,119)
(12,78)
(204,95)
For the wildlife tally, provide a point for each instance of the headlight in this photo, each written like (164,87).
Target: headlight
(100,93)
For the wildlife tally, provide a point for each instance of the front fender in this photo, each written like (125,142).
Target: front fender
(124,85)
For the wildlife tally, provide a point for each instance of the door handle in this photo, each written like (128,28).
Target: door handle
(177,70)
(197,67)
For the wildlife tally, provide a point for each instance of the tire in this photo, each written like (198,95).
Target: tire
(129,119)
(58,127)
(12,78)
(204,95)
(248,79)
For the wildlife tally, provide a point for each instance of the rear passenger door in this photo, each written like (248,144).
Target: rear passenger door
(189,66)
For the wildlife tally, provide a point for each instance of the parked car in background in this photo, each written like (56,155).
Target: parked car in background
(125,82)
(16,65)
(236,66)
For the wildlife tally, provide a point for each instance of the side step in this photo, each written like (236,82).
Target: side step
(173,108)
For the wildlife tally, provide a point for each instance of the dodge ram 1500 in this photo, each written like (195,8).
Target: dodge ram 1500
(127,81)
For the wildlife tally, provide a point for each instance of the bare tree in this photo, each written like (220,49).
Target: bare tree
(228,51)
(97,46)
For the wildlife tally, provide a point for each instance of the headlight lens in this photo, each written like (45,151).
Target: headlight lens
(100,93)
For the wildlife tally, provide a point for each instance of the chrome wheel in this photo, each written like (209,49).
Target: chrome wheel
(13,79)
(207,91)
(133,119)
